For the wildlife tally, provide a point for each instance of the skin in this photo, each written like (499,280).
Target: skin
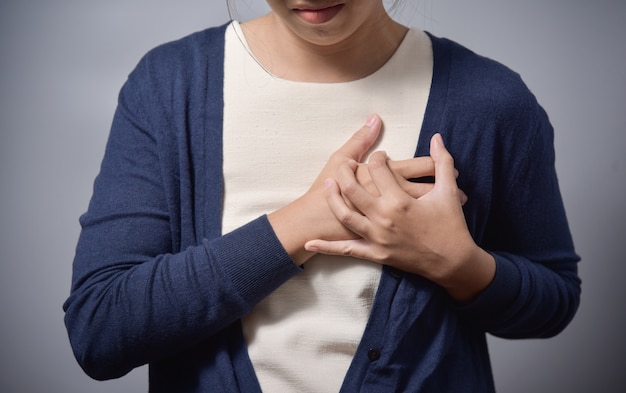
(366,210)
(440,248)
(311,217)
(338,50)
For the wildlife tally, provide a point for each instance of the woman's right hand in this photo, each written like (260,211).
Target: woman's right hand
(309,217)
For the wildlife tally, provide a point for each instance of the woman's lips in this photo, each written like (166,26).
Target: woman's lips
(319,16)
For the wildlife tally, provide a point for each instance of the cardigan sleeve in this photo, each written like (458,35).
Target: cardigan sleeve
(503,145)
(137,296)
(536,289)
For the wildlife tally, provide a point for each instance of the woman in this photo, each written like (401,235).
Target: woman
(239,238)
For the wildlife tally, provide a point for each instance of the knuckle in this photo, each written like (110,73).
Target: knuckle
(399,205)
(348,250)
(448,159)
(345,218)
(350,189)
(378,160)
(388,224)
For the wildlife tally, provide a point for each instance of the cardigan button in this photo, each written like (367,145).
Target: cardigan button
(373,355)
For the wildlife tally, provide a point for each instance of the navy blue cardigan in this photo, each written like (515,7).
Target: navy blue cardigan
(155,281)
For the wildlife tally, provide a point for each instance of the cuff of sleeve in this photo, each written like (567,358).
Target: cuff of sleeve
(254,260)
(499,295)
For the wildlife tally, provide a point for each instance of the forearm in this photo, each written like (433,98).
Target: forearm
(293,228)
(125,314)
(304,219)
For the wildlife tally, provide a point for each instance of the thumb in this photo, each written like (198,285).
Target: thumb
(445,173)
(362,140)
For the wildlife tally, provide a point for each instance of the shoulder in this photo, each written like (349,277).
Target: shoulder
(185,54)
(170,76)
(485,98)
(485,109)
(480,83)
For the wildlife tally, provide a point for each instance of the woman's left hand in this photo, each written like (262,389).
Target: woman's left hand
(427,235)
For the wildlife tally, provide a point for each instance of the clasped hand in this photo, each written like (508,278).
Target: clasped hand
(373,211)
(421,232)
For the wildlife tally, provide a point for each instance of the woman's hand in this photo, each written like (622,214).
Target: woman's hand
(425,234)
(310,217)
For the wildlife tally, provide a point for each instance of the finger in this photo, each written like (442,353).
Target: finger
(363,177)
(355,195)
(445,173)
(413,168)
(414,189)
(382,176)
(362,140)
(348,217)
(354,248)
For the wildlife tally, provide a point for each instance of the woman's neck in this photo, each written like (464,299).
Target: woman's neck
(286,56)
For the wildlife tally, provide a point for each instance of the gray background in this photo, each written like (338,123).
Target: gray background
(62,63)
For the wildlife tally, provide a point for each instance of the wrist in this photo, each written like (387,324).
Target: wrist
(291,230)
(472,275)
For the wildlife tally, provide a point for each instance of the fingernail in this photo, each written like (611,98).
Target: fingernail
(439,140)
(311,248)
(371,121)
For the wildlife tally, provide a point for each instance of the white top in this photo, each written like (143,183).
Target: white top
(278,134)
